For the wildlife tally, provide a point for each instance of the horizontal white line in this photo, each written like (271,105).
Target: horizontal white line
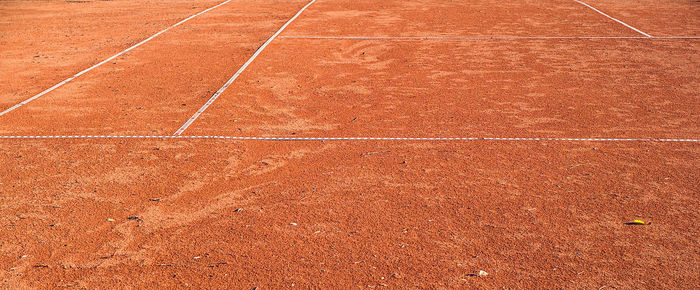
(355,138)
(106,60)
(480,37)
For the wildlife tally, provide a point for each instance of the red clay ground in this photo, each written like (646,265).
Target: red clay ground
(491,88)
(680,18)
(45,42)
(361,214)
(454,18)
(157,86)
(412,214)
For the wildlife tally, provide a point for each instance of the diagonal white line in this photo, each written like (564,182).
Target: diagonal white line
(616,20)
(106,60)
(240,70)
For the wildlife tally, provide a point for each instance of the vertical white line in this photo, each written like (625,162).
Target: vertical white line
(106,60)
(235,76)
(618,21)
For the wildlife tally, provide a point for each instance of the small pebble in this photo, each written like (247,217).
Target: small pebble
(133,218)
(293,224)
(238,210)
(110,220)
(479,273)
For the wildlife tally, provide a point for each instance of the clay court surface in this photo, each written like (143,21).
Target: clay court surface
(369,144)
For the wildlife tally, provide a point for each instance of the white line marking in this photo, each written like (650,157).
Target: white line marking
(240,70)
(354,138)
(106,60)
(480,37)
(677,37)
(618,21)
